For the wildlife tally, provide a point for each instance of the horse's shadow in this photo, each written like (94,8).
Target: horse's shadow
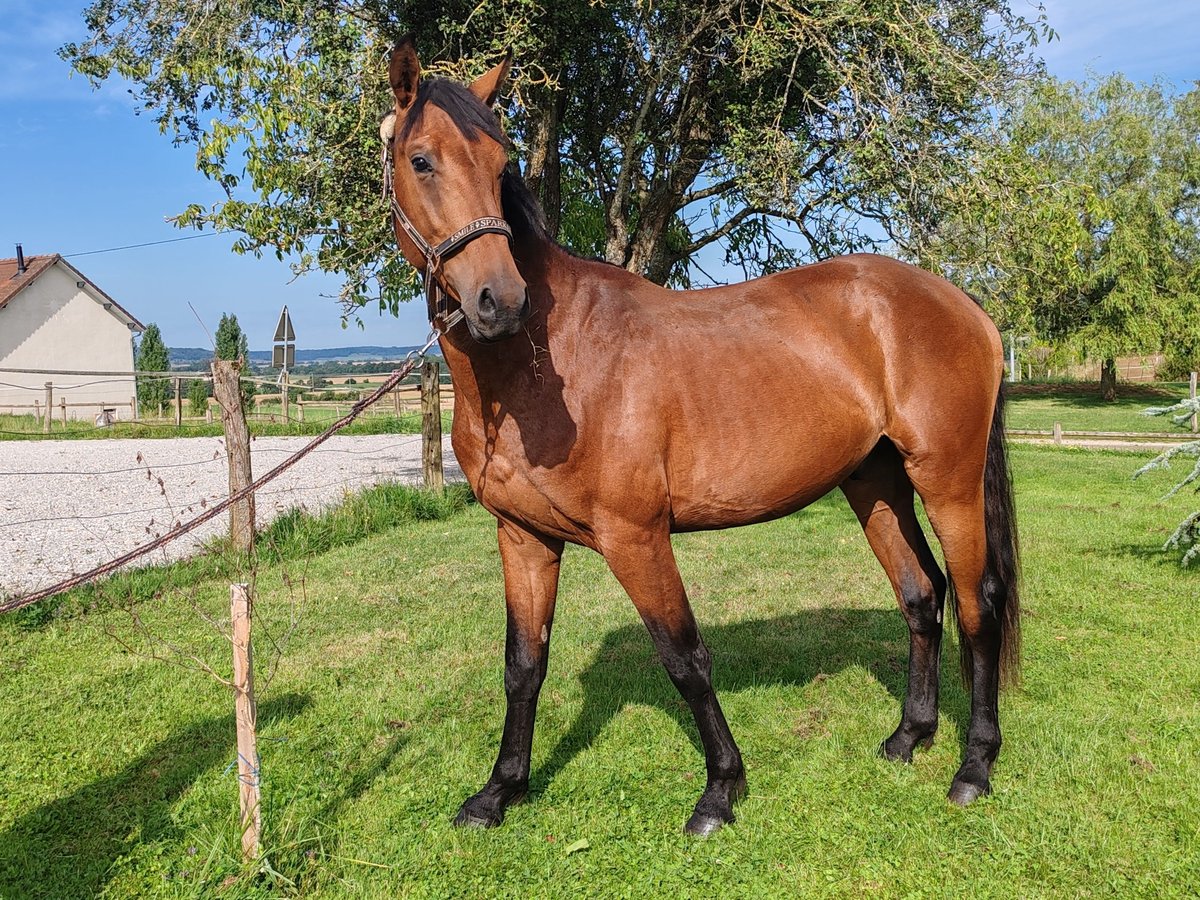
(787,650)
(68,847)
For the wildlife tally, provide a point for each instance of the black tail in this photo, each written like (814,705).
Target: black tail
(1002,570)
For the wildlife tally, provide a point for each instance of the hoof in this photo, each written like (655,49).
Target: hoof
(712,815)
(963,792)
(898,749)
(703,826)
(482,811)
(467,819)
(895,754)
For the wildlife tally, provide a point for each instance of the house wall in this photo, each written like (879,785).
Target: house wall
(53,324)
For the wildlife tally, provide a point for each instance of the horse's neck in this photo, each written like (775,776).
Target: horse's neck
(490,370)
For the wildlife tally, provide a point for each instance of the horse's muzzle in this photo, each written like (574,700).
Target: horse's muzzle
(494,319)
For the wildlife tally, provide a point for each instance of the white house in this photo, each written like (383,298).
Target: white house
(52,317)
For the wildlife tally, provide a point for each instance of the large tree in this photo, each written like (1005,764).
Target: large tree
(775,130)
(1084,230)
(152,356)
(232,343)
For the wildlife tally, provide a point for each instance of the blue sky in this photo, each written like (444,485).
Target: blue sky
(80,172)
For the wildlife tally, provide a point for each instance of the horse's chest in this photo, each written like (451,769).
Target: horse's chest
(508,485)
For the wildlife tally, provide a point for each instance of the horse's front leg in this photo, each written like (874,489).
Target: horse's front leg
(531,564)
(644,563)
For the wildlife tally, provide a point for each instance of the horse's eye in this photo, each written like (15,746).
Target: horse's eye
(421,164)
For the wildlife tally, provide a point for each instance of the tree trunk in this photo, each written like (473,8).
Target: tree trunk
(1108,380)
(543,172)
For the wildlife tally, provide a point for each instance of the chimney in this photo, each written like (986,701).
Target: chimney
(21,267)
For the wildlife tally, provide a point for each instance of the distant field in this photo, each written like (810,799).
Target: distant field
(1037,406)
(16,428)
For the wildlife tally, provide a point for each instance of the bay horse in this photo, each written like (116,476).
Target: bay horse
(586,409)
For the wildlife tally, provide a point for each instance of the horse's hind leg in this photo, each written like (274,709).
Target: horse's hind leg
(881,496)
(531,565)
(955,507)
(645,565)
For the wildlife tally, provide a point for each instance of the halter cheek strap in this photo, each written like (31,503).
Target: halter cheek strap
(437,292)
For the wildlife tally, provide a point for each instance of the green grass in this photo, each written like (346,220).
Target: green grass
(295,535)
(17,428)
(387,706)
(1079,408)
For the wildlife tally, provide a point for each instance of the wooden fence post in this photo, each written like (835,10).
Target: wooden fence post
(175,385)
(228,391)
(300,410)
(133,411)
(49,407)
(1192,393)
(431,424)
(63,403)
(1058,432)
(247,721)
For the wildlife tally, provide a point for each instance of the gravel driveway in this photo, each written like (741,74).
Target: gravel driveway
(68,506)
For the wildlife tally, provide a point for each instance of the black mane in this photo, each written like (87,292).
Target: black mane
(521,209)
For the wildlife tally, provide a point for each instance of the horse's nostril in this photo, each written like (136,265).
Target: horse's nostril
(487,303)
(525,307)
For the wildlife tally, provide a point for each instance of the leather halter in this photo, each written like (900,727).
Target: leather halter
(437,292)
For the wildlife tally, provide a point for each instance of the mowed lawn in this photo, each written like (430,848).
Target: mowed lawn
(1078,407)
(115,770)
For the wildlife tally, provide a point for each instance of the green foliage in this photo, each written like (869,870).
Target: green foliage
(649,131)
(1083,230)
(198,396)
(1186,536)
(152,356)
(232,343)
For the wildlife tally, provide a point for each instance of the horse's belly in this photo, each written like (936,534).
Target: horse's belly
(744,480)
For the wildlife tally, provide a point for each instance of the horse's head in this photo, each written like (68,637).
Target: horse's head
(448,158)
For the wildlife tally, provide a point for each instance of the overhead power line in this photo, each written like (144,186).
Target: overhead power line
(190,237)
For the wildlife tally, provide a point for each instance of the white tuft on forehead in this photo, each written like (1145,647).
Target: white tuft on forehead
(387,128)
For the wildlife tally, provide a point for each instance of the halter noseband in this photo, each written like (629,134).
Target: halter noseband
(437,293)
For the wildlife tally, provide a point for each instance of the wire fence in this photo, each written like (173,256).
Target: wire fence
(66,403)
(213,505)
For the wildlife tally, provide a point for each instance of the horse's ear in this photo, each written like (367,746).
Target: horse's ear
(487,86)
(404,73)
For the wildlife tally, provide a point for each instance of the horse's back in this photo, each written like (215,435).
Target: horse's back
(768,394)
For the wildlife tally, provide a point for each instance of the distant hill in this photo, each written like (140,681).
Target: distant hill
(196,357)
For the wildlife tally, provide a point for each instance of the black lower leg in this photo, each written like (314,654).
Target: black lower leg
(524,672)
(983,735)
(923,612)
(689,666)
